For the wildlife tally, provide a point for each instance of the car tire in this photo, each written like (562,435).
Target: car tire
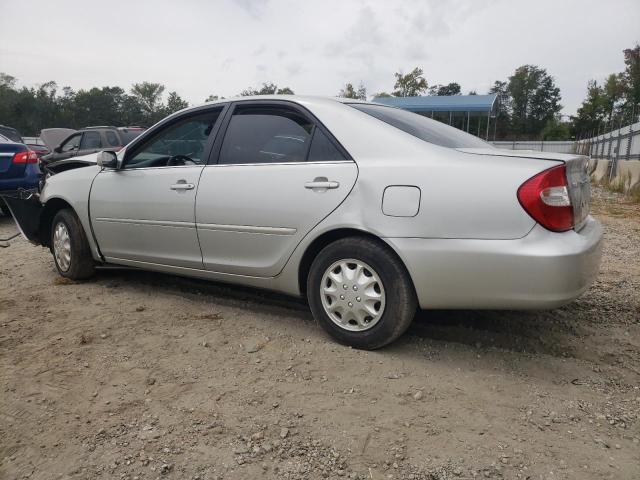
(379,311)
(70,247)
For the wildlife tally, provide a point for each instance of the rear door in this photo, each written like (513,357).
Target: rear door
(91,142)
(277,174)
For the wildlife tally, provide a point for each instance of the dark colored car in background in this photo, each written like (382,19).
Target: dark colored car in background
(37,145)
(11,133)
(18,169)
(92,139)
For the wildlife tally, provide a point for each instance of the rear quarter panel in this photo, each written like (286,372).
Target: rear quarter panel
(463,195)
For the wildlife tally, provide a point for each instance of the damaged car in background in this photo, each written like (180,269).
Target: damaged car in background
(367,210)
(73,148)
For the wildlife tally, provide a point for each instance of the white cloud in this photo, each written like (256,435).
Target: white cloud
(200,47)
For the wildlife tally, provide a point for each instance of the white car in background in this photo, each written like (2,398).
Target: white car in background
(367,210)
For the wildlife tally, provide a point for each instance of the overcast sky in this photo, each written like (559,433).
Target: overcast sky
(200,47)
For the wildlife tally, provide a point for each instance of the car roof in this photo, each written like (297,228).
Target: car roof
(307,100)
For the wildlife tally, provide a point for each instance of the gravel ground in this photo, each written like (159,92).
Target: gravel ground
(140,375)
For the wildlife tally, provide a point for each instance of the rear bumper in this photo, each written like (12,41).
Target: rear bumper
(541,270)
(28,180)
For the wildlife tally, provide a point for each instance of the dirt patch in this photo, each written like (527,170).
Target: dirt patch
(142,375)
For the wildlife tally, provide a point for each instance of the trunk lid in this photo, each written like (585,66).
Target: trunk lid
(8,169)
(577,175)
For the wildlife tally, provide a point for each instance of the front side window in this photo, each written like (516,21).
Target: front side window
(177,144)
(72,144)
(90,141)
(422,127)
(263,134)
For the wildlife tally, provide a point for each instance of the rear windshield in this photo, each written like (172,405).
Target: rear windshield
(422,127)
(11,134)
(128,135)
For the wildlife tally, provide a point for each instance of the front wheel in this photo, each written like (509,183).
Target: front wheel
(70,247)
(361,293)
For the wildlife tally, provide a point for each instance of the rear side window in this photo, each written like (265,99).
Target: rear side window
(112,138)
(90,140)
(262,134)
(322,149)
(422,127)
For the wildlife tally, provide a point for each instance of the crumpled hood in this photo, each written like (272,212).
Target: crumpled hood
(71,163)
(52,137)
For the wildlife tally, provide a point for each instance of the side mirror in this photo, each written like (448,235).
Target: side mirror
(58,149)
(108,160)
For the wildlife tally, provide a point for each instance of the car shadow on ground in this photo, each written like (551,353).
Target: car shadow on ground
(545,332)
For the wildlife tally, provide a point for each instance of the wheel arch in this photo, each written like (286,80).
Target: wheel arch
(316,246)
(49,210)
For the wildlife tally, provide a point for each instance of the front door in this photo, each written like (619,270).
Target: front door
(144,212)
(278,175)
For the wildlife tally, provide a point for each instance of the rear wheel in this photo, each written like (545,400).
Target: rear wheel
(70,247)
(360,293)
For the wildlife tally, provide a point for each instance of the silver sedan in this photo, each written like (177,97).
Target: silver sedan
(367,210)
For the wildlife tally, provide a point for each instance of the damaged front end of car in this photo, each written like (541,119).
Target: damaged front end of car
(26,207)
(26,210)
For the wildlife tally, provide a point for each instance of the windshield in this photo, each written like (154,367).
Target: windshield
(422,127)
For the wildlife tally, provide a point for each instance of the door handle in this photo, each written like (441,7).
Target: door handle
(321,183)
(182,185)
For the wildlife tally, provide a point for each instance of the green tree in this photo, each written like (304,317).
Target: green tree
(381,95)
(631,78)
(350,92)
(96,106)
(410,85)
(556,130)
(502,119)
(175,103)
(212,98)
(268,88)
(452,88)
(593,110)
(614,92)
(149,97)
(535,99)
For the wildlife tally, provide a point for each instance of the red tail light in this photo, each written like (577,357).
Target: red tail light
(25,157)
(546,198)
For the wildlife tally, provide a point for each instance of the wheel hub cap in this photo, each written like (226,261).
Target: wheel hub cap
(62,246)
(352,295)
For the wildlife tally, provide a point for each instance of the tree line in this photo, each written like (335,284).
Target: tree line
(529,105)
(528,102)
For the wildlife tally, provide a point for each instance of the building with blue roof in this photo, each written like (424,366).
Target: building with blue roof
(471,113)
